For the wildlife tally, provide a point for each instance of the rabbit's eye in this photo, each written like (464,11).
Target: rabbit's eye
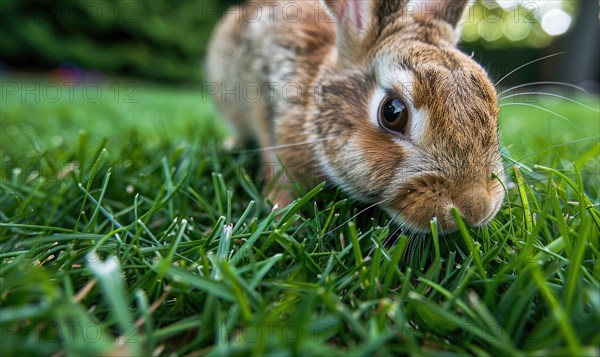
(393,115)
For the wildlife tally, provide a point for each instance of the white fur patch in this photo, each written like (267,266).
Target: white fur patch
(375,104)
(418,124)
(396,78)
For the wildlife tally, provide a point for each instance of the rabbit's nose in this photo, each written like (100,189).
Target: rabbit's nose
(475,205)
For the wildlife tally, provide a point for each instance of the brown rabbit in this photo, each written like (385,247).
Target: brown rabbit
(371,95)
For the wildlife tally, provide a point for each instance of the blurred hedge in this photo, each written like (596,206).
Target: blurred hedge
(166,40)
(158,39)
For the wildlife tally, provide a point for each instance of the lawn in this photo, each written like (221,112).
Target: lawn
(126,229)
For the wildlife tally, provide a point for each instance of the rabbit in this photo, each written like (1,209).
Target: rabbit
(371,95)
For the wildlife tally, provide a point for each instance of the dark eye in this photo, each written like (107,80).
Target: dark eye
(393,115)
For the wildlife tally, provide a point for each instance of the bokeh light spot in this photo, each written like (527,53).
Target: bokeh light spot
(556,22)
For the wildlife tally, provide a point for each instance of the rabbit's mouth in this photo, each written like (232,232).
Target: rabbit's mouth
(429,196)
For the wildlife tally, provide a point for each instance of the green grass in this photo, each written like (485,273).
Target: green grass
(125,229)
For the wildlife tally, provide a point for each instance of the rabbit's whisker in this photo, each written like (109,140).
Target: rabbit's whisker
(527,64)
(543,83)
(558,145)
(285,146)
(392,220)
(400,230)
(550,95)
(410,247)
(385,228)
(573,176)
(353,217)
(389,238)
(538,107)
(401,227)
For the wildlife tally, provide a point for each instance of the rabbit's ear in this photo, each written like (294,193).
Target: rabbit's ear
(450,11)
(350,15)
(359,22)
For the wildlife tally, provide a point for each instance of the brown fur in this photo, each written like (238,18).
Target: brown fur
(338,66)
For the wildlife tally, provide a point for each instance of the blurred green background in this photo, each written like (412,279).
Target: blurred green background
(103,124)
(166,40)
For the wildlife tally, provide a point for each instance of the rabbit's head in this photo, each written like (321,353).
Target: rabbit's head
(415,119)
